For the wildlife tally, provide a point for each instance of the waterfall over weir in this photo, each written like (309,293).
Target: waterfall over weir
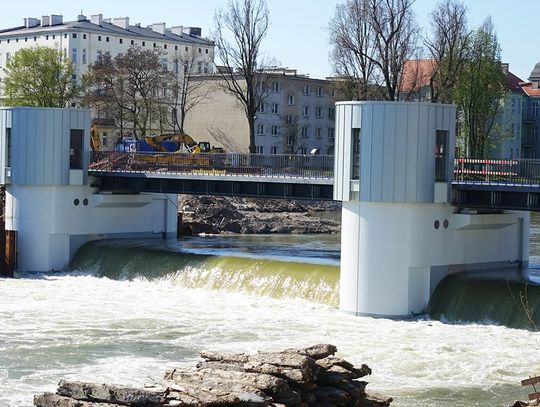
(117,260)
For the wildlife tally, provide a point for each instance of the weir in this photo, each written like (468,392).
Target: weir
(393,172)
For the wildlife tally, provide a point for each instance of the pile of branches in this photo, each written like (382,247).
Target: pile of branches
(293,377)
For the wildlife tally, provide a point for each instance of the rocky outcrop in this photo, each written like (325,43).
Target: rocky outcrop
(213,215)
(294,377)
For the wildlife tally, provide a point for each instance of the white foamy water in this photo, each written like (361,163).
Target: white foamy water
(129,332)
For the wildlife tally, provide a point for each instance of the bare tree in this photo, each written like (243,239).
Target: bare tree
(187,89)
(132,87)
(246,22)
(291,133)
(353,52)
(447,48)
(375,48)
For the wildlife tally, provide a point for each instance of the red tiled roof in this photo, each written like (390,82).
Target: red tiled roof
(513,83)
(416,74)
(528,89)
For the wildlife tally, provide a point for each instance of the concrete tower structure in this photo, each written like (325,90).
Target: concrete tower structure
(400,233)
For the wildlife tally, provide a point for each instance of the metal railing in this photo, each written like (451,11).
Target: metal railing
(518,172)
(226,164)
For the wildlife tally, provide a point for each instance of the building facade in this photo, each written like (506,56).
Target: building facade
(297,116)
(84,40)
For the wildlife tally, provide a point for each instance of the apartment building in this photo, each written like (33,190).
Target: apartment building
(297,116)
(84,40)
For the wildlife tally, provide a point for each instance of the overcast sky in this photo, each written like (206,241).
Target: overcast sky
(298,36)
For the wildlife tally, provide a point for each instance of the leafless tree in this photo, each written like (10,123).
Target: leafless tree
(187,90)
(379,45)
(447,48)
(350,33)
(246,23)
(132,87)
(291,133)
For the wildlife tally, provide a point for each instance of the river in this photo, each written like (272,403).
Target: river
(127,310)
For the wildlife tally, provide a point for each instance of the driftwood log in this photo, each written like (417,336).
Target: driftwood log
(295,377)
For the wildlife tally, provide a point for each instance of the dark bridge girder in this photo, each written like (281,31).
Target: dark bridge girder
(259,189)
(511,198)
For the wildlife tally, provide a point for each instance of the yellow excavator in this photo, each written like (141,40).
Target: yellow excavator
(95,142)
(184,144)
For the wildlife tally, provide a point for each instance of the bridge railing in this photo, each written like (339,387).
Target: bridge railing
(226,164)
(519,172)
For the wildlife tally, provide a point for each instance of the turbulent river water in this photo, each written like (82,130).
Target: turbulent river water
(127,310)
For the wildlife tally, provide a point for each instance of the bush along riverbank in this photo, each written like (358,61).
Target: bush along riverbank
(294,377)
(214,215)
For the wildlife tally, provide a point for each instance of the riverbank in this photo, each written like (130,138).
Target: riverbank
(217,215)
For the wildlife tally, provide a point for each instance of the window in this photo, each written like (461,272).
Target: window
(164,64)
(176,47)
(275,130)
(331,112)
(261,107)
(289,119)
(259,149)
(8,146)
(290,100)
(534,130)
(8,56)
(260,129)
(320,91)
(307,90)
(199,67)
(104,138)
(186,49)
(175,65)
(355,154)
(200,50)
(303,150)
(305,111)
(164,46)
(65,35)
(275,86)
(304,132)
(84,56)
(273,150)
(132,42)
(74,35)
(74,55)
(154,45)
(206,50)
(318,111)
(46,37)
(441,146)
(99,37)
(331,134)
(121,40)
(144,43)
(107,39)
(318,132)
(99,53)
(275,108)
(54,36)
(84,36)
(35,38)
(76,138)
(206,68)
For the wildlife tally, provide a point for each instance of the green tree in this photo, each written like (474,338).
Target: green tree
(39,77)
(480,92)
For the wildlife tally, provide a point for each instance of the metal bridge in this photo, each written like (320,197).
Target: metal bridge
(234,174)
(478,183)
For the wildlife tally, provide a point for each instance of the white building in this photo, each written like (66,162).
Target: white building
(84,40)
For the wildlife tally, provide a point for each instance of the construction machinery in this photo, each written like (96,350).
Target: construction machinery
(182,143)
